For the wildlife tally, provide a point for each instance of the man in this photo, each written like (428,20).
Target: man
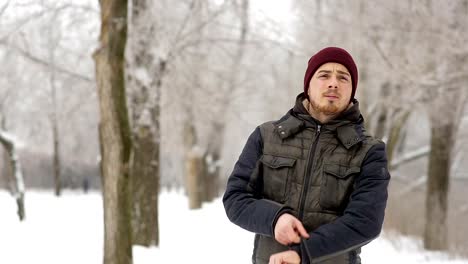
(313,184)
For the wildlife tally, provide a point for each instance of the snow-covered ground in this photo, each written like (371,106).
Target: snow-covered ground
(69,230)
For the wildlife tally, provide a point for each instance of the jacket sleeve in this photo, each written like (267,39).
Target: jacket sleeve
(242,200)
(363,217)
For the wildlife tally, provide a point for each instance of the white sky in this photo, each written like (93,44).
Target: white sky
(279,9)
(275,17)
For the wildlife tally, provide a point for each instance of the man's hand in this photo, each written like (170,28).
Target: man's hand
(289,229)
(285,257)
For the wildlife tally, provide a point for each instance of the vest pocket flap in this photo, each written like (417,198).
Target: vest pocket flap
(277,162)
(353,170)
(340,171)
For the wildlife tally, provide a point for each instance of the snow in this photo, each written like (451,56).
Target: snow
(69,229)
(142,75)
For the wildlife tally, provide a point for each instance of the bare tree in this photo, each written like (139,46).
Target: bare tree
(447,98)
(13,171)
(42,43)
(53,42)
(203,163)
(114,132)
(144,78)
(214,149)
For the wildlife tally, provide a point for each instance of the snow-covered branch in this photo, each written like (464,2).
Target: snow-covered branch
(11,148)
(4,7)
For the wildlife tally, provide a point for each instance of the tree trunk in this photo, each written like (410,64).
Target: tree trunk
(210,171)
(145,73)
(114,131)
(395,135)
(56,154)
(194,165)
(383,112)
(210,175)
(8,171)
(210,181)
(445,112)
(435,232)
(54,119)
(18,190)
(193,157)
(144,188)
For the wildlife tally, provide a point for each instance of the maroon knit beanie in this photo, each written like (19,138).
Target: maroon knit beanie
(331,54)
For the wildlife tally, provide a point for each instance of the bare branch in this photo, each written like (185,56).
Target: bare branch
(47,64)
(413,185)
(410,156)
(381,52)
(4,7)
(39,14)
(180,36)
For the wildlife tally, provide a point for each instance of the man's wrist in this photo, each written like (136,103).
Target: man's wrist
(283,210)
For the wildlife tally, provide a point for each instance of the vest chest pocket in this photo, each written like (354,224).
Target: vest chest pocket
(276,174)
(337,181)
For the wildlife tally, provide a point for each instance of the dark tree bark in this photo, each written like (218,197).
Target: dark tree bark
(114,131)
(56,156)
(144,188)
(144,103)
(435,232)
(55,126)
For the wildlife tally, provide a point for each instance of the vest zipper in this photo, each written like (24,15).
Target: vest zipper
(307,173)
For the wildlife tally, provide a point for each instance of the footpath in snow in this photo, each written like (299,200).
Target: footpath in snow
(69,230)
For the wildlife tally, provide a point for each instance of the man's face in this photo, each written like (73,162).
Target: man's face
(330,89)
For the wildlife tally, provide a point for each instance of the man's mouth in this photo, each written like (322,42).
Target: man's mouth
(332,96)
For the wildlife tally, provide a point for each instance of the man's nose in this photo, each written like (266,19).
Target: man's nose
(333,83)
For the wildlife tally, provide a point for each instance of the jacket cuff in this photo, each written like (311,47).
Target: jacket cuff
(296,247)
(281,211)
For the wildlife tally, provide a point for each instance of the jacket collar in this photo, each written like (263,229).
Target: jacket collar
(348,126)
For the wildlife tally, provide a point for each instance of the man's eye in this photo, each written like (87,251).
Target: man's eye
(344,78)
(323,75)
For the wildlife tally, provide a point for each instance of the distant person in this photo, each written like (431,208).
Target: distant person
(313,184)
(85,185)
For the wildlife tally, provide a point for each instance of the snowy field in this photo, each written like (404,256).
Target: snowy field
(70,230)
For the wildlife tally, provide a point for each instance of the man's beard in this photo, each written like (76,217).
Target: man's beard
(328,109)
